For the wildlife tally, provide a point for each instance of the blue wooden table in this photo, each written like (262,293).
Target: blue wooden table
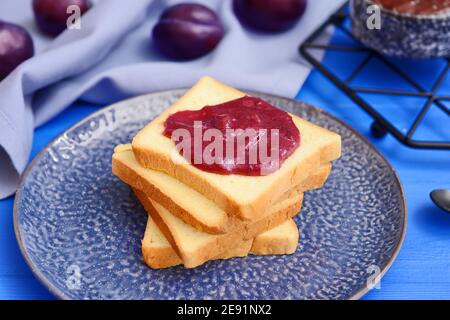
(421,271)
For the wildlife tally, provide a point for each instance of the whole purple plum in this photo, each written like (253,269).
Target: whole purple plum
(51,15)
(187,31)
(269,15)
(16,46)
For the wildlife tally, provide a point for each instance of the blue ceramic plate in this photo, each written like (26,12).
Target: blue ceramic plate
(80,228)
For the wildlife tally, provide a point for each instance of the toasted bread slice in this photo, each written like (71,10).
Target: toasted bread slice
(158,253)
(156,250)
(195,247)
(282,239)
(183,201)
(243,196)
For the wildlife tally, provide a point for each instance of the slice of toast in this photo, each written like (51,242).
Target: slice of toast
(282,239)
(195,247)
(158,253)
(156,250)
(243,196)
(183,201)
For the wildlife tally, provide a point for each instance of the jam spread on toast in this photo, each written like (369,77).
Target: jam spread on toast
(246,136)
(415,6)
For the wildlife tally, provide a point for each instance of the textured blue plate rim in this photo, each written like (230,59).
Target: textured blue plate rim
(61,295)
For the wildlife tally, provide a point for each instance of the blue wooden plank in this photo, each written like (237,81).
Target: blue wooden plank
(21,288)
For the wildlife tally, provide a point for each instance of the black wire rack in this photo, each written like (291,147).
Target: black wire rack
(381,126)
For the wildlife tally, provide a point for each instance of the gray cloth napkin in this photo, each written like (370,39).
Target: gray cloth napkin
(110,58)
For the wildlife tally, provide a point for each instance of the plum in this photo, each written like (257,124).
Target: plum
(16,46)
(187,31)
(269,15)
(51,15)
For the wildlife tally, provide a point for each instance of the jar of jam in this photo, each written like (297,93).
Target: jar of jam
(403,28)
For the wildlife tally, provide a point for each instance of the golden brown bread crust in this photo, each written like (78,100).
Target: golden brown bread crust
(132,178)
(160,258)
(222,243)
(229,205)
(282,246)
(166,257)
(270,244)
(208,90)
(157,253)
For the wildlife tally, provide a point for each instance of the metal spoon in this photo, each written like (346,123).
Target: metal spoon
(441,198)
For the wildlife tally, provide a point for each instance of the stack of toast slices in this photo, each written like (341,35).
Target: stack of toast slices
(195,216)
